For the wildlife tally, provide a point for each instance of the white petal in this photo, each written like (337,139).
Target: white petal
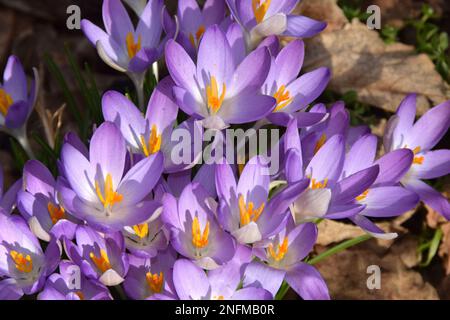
(311,204)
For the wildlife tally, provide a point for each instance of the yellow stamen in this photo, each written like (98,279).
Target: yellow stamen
(247,212)
(5,102)
(154,142)
(199,239)
(418,159)
(283,98)
(280,252)
(195,40)
(110,197)
(212,95)
(23,263)
(362,196)
(155,281)
(318,185)
(218,298)
(260,9)
(141,230)
(56,212)
(320,143)
(102,262)
(133,47)
(80,295)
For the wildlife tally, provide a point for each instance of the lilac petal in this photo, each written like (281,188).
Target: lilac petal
(170,211)
(274,25)
(215,58)
(235,38)
(307,88)
(307,282)
(430,128)
(189,15)
(252,294)
(225,183)
(355,133)
(431,197)
(337,211)
(190,281)
(246,108)
(52,256)
(292,138)
(393,166)
(435,164)
(117,21)
(205,177)
(320,167)
(272,43)
(301,242)
(107,152)
(178,181)
(143,59)
(192,203)
(15,80)
(8,201)
(10,290)
(64,228)
(17,115)
(125,115)
(303,27)
(349,188)
(293,166)
(188,103)
(361,155)
(388,201)
(289,62)
(304,119)
(254,182)
(401,123)
(372,228)
(140,180)
(38,179)
(150,24)
(260,275)
(213,12)
(252,72)
(283,6)
(75,141)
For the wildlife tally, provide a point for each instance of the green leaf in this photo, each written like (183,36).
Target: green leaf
(19,154)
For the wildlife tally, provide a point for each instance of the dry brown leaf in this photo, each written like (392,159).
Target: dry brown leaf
(381,74)
(333,232)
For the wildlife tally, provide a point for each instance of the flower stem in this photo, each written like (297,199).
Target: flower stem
(25,143)
(138,81)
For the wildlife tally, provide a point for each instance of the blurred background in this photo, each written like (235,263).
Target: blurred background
(372,72)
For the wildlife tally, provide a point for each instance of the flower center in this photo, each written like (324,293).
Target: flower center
(320,143)
(248,212)
(56,212)
(154,142)
(133,47)
(195,39)
(141,230)
(362,196)
(283,98)
(418,159)
(80,295)
(260,9)
(102,263)
(23,263)
(278,253)
(155,281)
(199,238)
(318,185)
(110,197)
(5,102)
(212,95)
(218,298)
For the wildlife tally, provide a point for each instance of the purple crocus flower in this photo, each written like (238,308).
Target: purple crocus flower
(294,94)
(100,191)
(262,18)
(39,204)
(8,199)
(194,21)
(195,233)
(60,286)
(123,47)
(22,262)
(245,209)
(191,283)
(148,278)
(421,137)
(218,89)
(16,101)
(152,133)
(100,258)
(282,256)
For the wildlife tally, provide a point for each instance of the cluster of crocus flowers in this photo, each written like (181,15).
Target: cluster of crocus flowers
(122,219)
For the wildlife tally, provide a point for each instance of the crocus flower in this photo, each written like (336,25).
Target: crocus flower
(282,256)
(262,18)
(195,233)
(294,94)
(39,204)
(123,47)
(152,133)
(194,21)
(100,258)
(421,137)
(8,199)
(16,101)
(147,277)
(244,207)
(99,191)
(62,285)
(191,283)
(218,90)
(22,260)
